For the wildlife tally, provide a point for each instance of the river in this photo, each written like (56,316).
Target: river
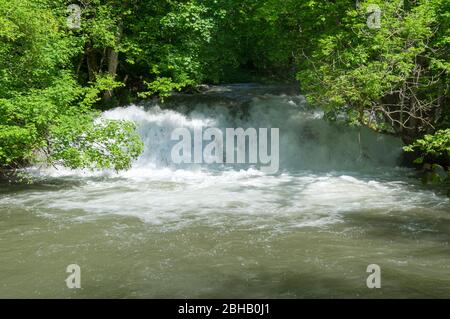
(340,202)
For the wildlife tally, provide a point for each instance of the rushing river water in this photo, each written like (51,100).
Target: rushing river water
(339,203)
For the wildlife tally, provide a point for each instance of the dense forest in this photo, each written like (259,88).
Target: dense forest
(382,64)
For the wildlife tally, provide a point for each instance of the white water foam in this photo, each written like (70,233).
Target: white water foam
(326,171)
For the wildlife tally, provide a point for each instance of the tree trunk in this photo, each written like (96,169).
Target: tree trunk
(113,62)
(91,58)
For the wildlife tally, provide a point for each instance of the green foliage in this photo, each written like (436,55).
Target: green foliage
(163,87)
(103,144)
(431,146)
(45,114)
(433,151)
(393,77)
(102,83)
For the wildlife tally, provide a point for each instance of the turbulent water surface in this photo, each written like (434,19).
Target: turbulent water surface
(339,203)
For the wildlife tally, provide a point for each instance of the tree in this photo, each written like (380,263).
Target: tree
(393,79)
(45,115)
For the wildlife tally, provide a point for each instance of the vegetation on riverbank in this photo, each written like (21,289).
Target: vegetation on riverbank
(57,72)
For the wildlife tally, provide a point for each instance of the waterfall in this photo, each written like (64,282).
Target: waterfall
(325,169)
(307,142)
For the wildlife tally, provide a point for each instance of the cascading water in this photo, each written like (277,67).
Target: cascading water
(338,203)
(307,141)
